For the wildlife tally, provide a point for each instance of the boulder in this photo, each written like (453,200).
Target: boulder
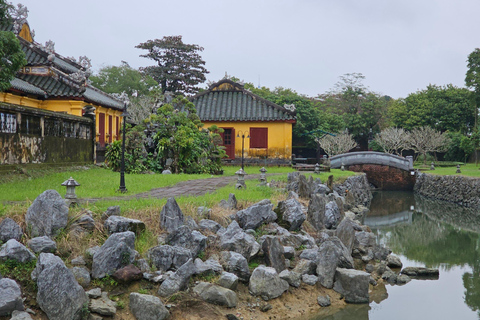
(82,275)
(191,223)
(14,250)
(235,263)
(292,181)
(289,252)
(78,261)
(103,305)
(295,240)
(147,307)
(20,315)
(183,237)
(9,229)
(10,297)
(332,254)
(352,284)
(309,254)
(42,244)
(216,294)
(402,279)
(256,215)
(305,187)
(117,252)
(143,265)
(324,301)
(310,279)
(332,215)
(389,276)
(56,286)
(235,239)
(178,281)
(231,203)
(273,253)
(394,261)
(305,266)
(111,211)
(380,252)
(86,222)
(346,233)
(210,225)
(116,224)
(293,278)
(266,283)
(47,215)
(228,280)
(94,293)
(364,240)
(204,212)
(208,267)
(128,274)
(420,272)
(290,212)
(171,216)
(316,211)
(166,257)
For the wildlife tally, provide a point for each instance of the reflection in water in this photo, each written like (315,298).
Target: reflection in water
(349,312)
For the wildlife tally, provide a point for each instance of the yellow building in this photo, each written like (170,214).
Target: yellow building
(264,128)
(52,82)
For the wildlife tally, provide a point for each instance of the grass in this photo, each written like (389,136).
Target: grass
(469,170)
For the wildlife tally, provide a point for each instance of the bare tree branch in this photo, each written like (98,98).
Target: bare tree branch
(341,143)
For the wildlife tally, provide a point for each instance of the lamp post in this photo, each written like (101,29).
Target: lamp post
(243,140)
(122,187)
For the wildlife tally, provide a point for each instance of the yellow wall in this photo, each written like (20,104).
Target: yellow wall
(279,138)
(73,107)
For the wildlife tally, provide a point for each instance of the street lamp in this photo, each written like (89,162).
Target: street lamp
(125,114)
(243,140)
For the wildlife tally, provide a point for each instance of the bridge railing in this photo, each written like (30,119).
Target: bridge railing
(372,157)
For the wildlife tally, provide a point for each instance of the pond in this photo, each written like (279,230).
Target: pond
(426,233)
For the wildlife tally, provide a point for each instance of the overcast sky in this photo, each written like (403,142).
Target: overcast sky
(399,46)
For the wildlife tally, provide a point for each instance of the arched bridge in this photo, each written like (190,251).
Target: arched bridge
(383,170)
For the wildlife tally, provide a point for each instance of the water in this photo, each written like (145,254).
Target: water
(424,233)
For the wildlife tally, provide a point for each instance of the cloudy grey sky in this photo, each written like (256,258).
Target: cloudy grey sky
(399,46)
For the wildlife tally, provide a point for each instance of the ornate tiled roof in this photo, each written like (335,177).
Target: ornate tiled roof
(229,101)
(24,86)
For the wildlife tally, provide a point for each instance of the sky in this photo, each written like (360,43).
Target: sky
(306,45)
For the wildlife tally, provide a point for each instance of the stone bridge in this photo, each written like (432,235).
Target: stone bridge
(385,171)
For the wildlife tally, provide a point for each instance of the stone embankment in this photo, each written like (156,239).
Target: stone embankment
(312,239)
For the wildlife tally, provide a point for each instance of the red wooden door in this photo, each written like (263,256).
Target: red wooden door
(228,138)
(110,129)
(101,129)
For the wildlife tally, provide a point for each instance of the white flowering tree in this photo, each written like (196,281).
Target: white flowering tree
(333,145)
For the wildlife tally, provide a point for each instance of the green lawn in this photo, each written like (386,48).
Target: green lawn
(469,170)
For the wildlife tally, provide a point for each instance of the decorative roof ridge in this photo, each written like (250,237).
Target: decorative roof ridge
(104,93)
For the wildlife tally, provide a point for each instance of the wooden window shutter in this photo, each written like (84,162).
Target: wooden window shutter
(259,138)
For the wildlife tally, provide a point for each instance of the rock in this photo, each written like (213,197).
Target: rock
(403,278)
(231,203)
(235,239)
(289,252)
(111,211)
(9,229)
(231,317)
(171,216)
(10,297)
(209,225)
(216,294)
(228,280)
(143,265)
(295,240)
(103,305)
(310,279)
(116,224)
(420,272)
(166,257)
(208,267)
(56,286)
(204,212)
(309,254)
(178,281)
(293,278)
(235,263)
(369,268)
(265,307)
(364,240)
(117,252)
(394,261)
(305,189)
(82,276)
(292,195)
(372,281)
(266,283)
(380,268)
(256,215)
(305,266)
(14,250)
(93,316)
(78,261)
(346,233)
(389,276)
(128,274)
(353,284)
(324,301)
(380,252)
(292,181)
(190,222)
(20,315)
(273,253)
(332,215)
(91,251)
(47,215)
(166,171)
(94,293)
(86,222)
(147,307)
(316,211)
(332,254)
(42,244)
(290,212)
(183,237)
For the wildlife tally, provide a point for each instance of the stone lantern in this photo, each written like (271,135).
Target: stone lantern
(458,169)
(241,179)
(342,167)
(317,168)
(263,176)
(71,184)
(432,166)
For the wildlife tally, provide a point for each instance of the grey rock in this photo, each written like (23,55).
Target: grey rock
(56,286)
(82,275)
(289,252)
(420,272)
(91,251)
(332,254)
(216,294)
(353,284)
(256,215)
(394,261)
(305,266)
(228,280)
(364,240)
(116,224)
(166,257)
(403,278)
(209,225)
(117,252)
(171,216)
(10,297)
(292,195)
(273,253)
(324,301)
(204,212)
(235,239)
(166,171)
(305,187)
(321,189)
(190,222)
(47,215)
(380,252)
(142,264)
(332,215)
(103,305)
(369,268)
(380,268)
(42,244)
(208,267)
(266,283)
(389,276)
(178,281)
(316,211)
(185,238)
(14,250)
(346,233)
(231,203)
(86,222)
(93,316)
(290,212)
(20,315)
(9,229)
(310,279)
(295,240)
(292,181)
(235,263)
(309,254)
(147,307)
(293,278)
(111,211)
(94,293)
(78,261)
(372,281)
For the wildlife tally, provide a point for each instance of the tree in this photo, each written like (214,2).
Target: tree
(179,65)
(392,140)
(12,58)
(338,144)
(425,139)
